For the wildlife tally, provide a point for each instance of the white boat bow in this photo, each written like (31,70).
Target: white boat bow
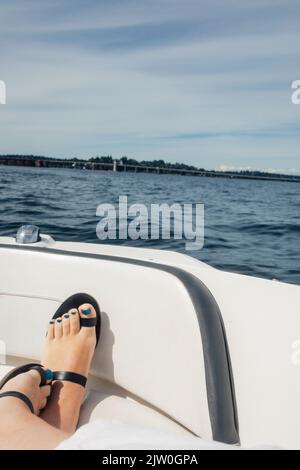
(184,347)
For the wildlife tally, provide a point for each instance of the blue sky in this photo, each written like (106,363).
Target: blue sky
(207,82)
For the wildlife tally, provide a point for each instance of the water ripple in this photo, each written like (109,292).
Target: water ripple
(251,227)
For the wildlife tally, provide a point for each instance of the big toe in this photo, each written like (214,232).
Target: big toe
(87,311)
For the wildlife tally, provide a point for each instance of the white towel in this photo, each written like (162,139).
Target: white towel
(116,435)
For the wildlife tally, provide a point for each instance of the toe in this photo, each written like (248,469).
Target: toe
(43,404)
(35,375)
(45,391)
(87,311)
(50,331)
(58,328)
(66,324)
(38,377)
(74,321)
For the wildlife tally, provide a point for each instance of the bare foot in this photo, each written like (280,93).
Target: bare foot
(19,428)
(27,383)
(68,348)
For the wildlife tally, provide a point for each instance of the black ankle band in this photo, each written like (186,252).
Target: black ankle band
(70,377)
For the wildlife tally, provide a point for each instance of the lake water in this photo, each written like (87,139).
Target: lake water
(251,227)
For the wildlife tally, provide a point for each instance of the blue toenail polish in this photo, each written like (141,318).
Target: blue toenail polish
(87,311)
(48,374)
(51,322)
(59,321)
(74,313)
(66,316)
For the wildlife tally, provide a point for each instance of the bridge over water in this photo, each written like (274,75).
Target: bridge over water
(118,166)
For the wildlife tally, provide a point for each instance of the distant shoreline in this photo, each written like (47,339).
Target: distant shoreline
(108,163)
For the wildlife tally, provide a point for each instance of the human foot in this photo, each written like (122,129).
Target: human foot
(27,384)
(19,428)
(68,347)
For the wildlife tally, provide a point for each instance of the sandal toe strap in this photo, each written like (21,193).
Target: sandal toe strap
(88,322)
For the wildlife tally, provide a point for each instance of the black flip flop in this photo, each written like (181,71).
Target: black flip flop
(75,301)
(21,370)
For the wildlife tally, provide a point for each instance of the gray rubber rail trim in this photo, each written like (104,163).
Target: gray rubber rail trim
(218,371)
